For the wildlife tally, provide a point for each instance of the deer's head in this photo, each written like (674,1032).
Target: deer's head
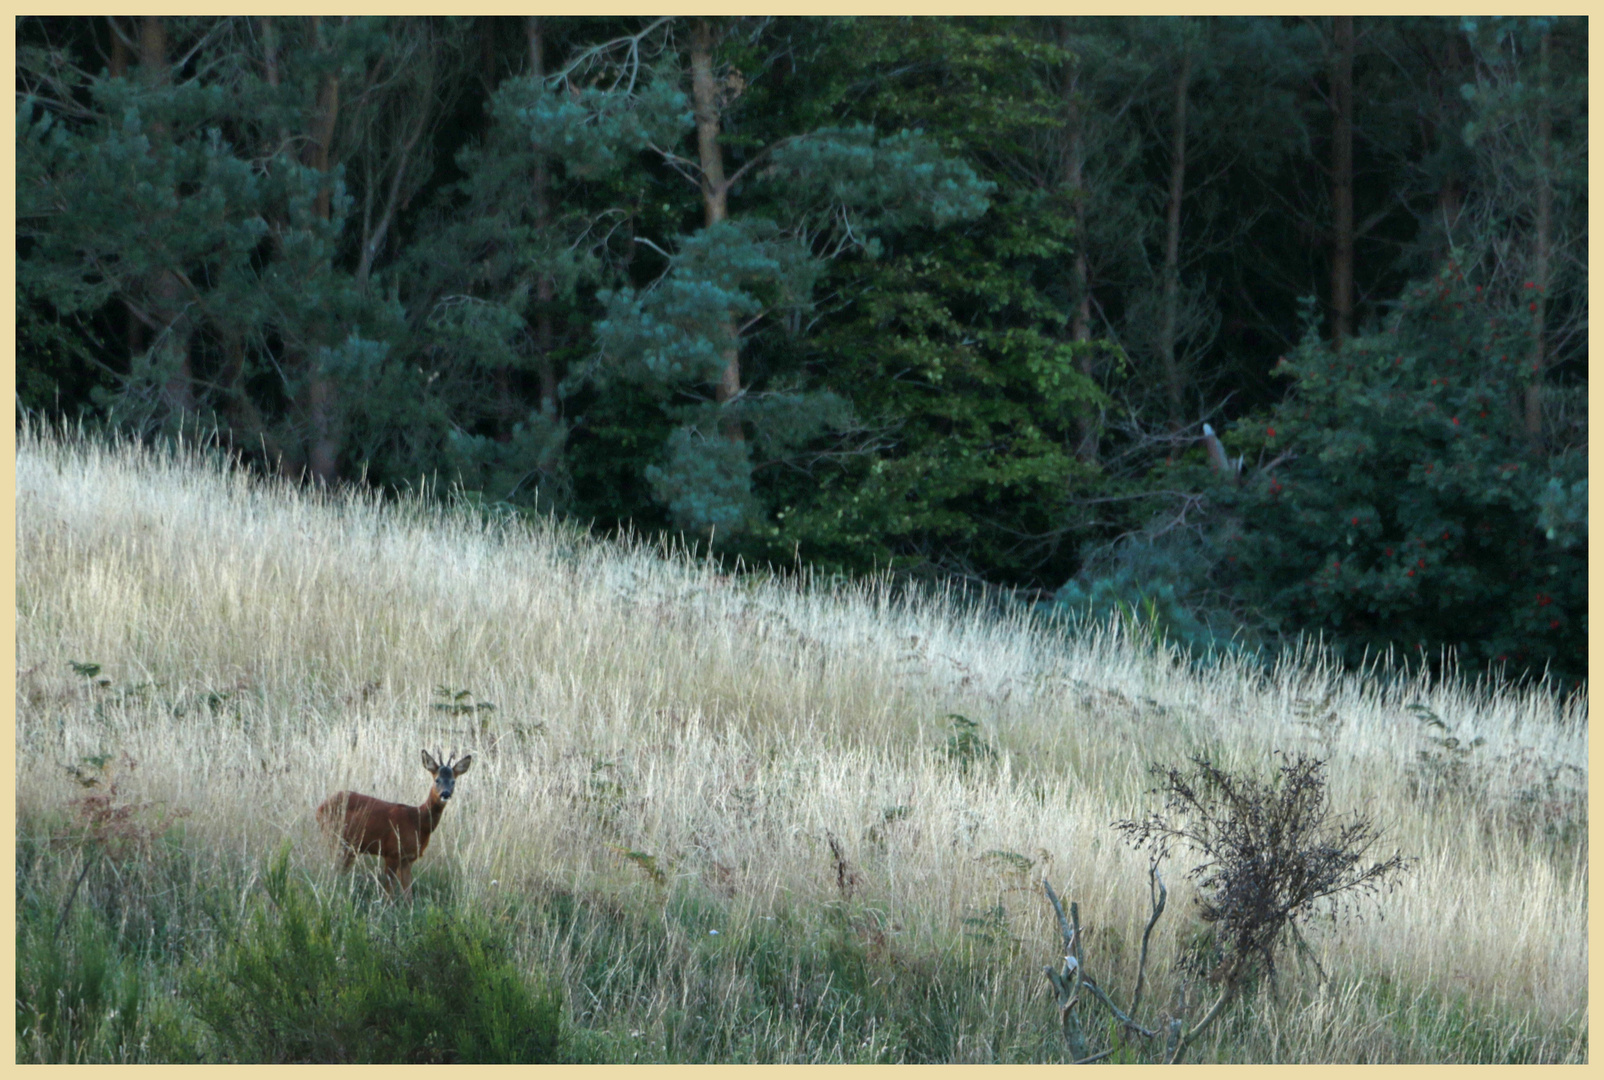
(445,776)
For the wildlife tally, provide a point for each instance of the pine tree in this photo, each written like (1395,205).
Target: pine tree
(211,203)
(795,200)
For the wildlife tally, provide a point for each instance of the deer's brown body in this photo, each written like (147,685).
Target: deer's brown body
(396,832)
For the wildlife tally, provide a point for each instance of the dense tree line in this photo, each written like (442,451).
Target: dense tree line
(1260,326)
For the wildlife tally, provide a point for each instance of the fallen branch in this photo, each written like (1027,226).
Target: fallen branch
(1073,978)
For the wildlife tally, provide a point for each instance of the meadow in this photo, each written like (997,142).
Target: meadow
(712,817)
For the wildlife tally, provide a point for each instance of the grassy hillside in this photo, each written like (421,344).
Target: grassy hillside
(722,818)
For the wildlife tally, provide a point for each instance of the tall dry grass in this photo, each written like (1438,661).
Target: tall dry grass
(265,647)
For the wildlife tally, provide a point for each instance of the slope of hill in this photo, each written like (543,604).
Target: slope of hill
(694,794)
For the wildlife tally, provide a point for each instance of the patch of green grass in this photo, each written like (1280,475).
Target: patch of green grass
(1458,1030)
(692,982)
(151,960)
(325,979)
(89,994)
(290,970)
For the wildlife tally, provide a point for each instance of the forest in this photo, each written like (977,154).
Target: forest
(1244,330)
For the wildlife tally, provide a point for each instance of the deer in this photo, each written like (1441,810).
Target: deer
(395,832)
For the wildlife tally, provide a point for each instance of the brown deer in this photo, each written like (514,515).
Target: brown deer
(395,832)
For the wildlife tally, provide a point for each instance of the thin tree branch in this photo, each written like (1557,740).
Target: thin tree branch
(1202,1025)
(1158,898)
(757,158)
(630,41)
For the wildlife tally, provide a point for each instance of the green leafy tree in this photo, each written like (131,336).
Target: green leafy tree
(1525,225)
(1399,506)
(499,280)
(795,197)
(958,347)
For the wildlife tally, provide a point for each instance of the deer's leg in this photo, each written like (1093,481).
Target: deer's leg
(393,868)
(403,874)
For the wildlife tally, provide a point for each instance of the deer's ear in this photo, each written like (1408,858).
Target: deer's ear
(430,763)
(462,766)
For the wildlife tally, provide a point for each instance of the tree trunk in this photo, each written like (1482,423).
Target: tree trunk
(705,93)
(1088,422)
(322,395)
(153,53)
(118,69)
(323,121)
(1172,242)
(1542,244)
(715,190)
(164,289)
(289,462)
(269,32)
(270,70)
(248,432)
(545,290)
(117,66)
(1341,179)
(1450,196)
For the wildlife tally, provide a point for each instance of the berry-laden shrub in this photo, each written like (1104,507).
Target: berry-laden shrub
(1401,502)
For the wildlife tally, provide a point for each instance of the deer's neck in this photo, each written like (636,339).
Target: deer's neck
(429,813)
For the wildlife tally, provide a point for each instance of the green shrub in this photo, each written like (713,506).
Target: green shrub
(315,979)
(77,998)
(1152,609)
(84,995)
(1401,499)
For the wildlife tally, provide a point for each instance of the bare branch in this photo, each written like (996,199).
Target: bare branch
(630,44)
(687,168)
(1157,895)
(648,243)
(1202,1025)
(133,46)
(759,157)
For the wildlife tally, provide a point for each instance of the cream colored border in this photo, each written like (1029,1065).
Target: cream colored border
(8,448)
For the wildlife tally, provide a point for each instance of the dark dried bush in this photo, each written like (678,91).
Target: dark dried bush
(1274,853)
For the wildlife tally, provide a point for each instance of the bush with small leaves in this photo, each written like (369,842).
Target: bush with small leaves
(1406,503)
(1274,854)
